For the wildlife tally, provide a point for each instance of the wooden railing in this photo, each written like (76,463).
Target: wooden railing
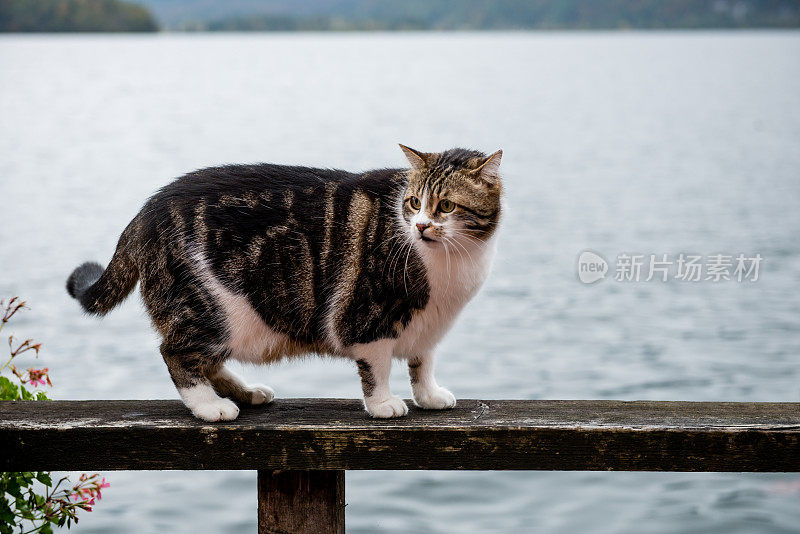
(302,447)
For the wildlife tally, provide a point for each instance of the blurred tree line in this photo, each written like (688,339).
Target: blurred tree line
(292,15)
(342,15)
(74,16)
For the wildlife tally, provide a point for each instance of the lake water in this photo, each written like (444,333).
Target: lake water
(637,143)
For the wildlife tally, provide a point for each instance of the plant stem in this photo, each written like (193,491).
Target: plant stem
(34,529)
(6,364)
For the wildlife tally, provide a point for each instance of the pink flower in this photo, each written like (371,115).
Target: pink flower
(100,486)
(39,377)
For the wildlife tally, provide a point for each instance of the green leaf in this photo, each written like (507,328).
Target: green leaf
(25,394)
(41,395)
(8,390)
(12,488)
(46,529)
(44,478)
(21,505)
(6,514)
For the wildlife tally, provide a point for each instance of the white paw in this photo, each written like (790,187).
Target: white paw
(261,394)
(391,407)
(216,410)
(435,399)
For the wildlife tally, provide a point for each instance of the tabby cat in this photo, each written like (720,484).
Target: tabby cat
(260,262)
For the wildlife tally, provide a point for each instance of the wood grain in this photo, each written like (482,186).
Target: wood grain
(301,502)
(336,434)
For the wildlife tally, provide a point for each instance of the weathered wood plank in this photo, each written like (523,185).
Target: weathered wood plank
(301,502)
(311,434)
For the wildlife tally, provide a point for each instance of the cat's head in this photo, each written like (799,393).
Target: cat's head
(452,196)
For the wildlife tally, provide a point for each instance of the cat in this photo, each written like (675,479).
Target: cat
(260,262)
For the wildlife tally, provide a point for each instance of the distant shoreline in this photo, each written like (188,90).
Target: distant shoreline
(767,29)
(351,16)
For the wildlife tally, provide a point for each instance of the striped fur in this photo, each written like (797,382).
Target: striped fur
(261,262)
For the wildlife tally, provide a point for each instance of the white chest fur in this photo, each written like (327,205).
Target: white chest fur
(454,279)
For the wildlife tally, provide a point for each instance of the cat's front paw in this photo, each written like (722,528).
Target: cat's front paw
(260,394)
(391,407)
(435,399)
(216,410)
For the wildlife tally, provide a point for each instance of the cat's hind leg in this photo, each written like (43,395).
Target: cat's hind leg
(189,371)
(229,384)
(427,393)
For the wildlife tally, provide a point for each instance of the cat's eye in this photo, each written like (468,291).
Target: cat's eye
(446,206)
(414,203)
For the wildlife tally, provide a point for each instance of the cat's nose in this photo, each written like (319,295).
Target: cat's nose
(422,226)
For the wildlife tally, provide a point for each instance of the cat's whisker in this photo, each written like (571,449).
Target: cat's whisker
(457,244)
(445,242)
(405,267)
(477,242)
(399,254)
(460,254)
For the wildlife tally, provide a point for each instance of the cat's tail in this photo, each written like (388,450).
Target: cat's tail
(100,290)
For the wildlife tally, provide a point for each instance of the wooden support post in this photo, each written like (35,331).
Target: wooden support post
(300,502)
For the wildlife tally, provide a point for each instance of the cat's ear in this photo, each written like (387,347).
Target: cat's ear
(489,171)
(417,159)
